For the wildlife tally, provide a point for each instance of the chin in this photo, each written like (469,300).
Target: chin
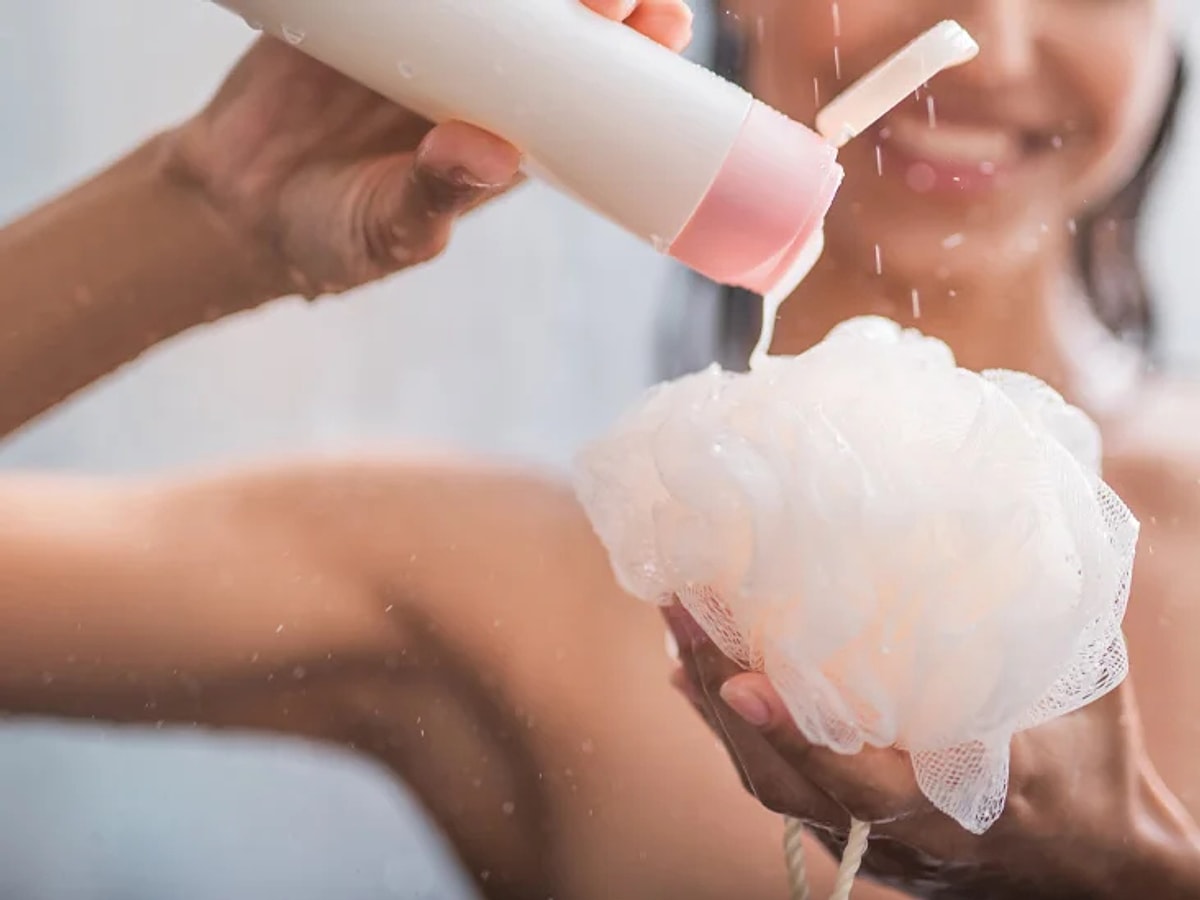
(929,253)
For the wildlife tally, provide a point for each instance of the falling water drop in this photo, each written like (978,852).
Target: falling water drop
(837,63)
(879,160)
(932,108)
(837,19)
(878,260)
(293,36)
(816,90)
(916,303)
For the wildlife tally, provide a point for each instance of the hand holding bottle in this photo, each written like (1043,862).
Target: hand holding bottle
(340,185)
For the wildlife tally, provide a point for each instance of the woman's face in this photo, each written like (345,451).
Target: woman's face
(972,174)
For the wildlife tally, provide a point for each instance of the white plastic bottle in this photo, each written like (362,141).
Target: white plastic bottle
(671,152)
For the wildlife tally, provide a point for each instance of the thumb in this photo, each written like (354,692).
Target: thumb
(876,784)
(409,215)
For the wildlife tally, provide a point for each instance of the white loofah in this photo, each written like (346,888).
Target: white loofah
(916,555)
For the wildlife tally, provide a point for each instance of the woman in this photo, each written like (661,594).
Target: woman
(461,624)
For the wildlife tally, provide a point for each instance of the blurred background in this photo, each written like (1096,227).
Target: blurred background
(536,344)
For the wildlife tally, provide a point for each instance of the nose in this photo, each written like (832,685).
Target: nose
(1007,34)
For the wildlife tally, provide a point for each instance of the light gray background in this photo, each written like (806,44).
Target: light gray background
(529,335)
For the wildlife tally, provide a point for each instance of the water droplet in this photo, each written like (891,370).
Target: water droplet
(1056,142)
(1072,227)
(953,240)
(405,70)
(293,36)
(508,807)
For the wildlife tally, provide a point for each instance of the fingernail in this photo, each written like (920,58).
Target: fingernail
(746,703)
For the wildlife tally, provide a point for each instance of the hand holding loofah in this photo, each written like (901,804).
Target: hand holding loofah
(916,555)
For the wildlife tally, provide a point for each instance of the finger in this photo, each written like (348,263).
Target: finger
(875,784)
(669,22)
(612,9)
(764,773)
(456,163)
(412,211)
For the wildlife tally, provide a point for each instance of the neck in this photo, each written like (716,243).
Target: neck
(1035,320)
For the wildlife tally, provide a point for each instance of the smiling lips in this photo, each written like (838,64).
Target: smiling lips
(942,153)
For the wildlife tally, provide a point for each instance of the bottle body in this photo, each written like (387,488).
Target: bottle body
(633,131)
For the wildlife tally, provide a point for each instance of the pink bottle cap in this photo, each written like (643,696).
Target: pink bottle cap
(770,196)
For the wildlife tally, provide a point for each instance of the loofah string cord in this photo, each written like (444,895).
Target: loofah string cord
(793,852)
(852,857)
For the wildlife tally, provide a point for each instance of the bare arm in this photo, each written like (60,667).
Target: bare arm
(105,271)
(456,624)
(170,602)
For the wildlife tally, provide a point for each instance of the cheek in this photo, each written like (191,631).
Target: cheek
(1121,90)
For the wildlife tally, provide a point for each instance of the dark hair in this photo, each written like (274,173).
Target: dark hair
(1106,241)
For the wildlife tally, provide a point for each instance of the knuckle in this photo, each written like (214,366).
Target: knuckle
(426,245)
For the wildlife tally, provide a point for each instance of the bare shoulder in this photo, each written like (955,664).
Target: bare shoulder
(1152,454)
